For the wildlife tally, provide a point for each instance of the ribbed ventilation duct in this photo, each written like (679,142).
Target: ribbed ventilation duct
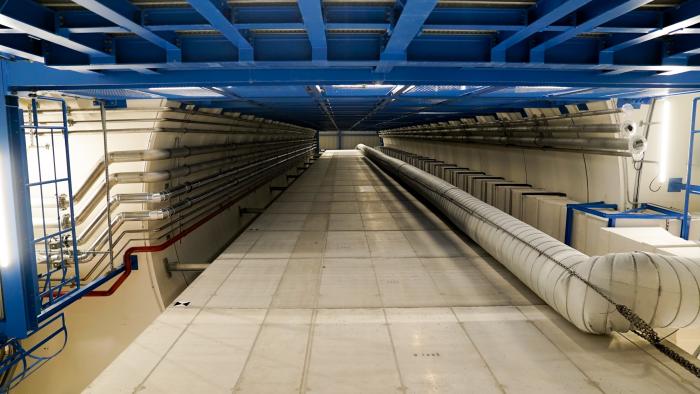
(661,290)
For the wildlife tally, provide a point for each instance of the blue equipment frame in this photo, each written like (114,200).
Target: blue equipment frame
(593,208)
(51,293)
(690,189)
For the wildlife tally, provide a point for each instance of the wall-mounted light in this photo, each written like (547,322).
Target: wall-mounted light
(662,176)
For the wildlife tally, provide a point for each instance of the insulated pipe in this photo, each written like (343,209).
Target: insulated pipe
(604,145)
(162,154)
(158,233)
(168,193)
(156,248)
(186,187)
(507,128)
(534,120)
(97,196)
(163,113)
(185,203)
(662,290)
(231,189)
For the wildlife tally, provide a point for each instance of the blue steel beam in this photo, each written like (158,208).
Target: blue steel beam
(445,65)
(114,12)
(33,19)
(28,76)
(410,23)
(537,54)
(213,14)
(550,28)
(12,52)
(681,58)
(267,26)
(352,27)
(499,52)
(680,19)
(17,262)
(315,28)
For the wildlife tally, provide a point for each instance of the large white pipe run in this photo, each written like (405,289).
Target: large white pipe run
(664,291)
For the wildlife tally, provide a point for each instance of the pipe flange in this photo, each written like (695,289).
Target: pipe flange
(637,146)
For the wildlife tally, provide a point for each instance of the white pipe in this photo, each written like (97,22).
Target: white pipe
(662,290)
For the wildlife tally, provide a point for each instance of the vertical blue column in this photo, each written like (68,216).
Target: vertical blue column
(20,298)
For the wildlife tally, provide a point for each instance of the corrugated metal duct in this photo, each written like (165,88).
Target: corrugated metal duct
(664,291)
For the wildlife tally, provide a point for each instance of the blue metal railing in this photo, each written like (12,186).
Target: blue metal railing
(55,247)
(677,185)
(690,188)
(30,359)
(594,208)
(52,251)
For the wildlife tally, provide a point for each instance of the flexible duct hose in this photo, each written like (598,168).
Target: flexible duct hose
(664,291)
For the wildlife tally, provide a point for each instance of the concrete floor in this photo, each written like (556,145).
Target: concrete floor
(349,285)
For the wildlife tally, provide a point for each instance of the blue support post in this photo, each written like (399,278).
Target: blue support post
(537,54)
(115,14)
(315,26)
(499,52)
(410,23)
(685,228)
(213,14)
(17,261)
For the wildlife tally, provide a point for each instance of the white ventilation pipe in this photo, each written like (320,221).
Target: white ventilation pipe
(664,291)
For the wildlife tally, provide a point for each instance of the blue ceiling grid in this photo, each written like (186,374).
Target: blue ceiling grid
(354,65)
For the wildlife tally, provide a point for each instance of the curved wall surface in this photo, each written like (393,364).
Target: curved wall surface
(584,176)
(101,327)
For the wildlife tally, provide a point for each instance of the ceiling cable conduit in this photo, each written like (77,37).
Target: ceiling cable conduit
(599,294)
